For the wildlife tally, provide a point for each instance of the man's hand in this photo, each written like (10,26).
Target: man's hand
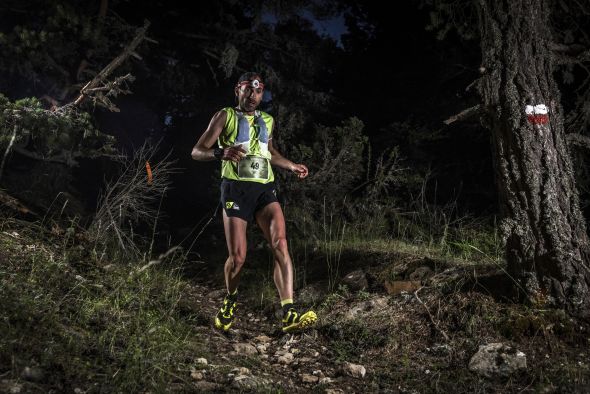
(300,170)
(234,153)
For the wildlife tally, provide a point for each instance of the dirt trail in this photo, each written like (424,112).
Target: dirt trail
(255,355)
(408,342)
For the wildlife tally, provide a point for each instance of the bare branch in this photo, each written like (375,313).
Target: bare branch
(567,54)
(11,202)
(434,323)
(465,114)
(578,140)
(61,159)
(116,62)
(129,200)
(12,138)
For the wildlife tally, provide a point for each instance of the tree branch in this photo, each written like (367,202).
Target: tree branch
(11,202)
(434,323)
(566,54)
(465,114)
(12,138)
(69,160)
(116,62)
(578,140)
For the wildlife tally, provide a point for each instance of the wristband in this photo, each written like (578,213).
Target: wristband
(218,153)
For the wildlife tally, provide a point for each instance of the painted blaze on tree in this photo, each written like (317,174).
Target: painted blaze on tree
(546,240)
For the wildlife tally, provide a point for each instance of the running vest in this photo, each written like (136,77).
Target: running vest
(252,132)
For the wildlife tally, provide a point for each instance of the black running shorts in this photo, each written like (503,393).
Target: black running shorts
(243,199)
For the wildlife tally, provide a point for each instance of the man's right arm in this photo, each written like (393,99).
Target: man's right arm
(204,150)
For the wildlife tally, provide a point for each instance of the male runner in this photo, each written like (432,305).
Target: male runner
(244,147)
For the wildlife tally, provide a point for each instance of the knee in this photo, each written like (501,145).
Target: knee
(279,245)
(238,259)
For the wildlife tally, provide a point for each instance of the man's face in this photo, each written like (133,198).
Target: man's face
(249,94)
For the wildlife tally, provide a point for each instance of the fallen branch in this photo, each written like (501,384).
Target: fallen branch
(12,138)
(11,202)
(434,323)
(116,62)
(69,160)
(465,114)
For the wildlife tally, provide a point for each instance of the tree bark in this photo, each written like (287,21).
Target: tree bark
(544,230)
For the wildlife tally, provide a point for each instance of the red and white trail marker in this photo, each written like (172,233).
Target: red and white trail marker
(537,114)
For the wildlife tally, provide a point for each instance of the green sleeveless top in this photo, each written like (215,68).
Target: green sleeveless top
(252,132)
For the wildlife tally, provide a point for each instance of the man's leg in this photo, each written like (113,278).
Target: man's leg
(235,235)
(272,222)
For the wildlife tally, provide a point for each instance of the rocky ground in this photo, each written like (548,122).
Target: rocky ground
(408,324)
(395,322)
(254,354)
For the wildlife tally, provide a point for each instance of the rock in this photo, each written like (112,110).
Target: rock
(263,339)
(306,378)
(365,307)
(16,389)
(217,294)
(201,361)
(356,280)
(354,312)
(10,386)
(354,370)
(241,371)
(379,302)
(497,360)
(287,340)
(261,348)
(197,375)
(245,348)
(397,286)
(286,358)
(247,382)
(204,386)
(333,391)
(109,267)
(421,273)
(325,380)
(312,294)
(32,374)
(441,350)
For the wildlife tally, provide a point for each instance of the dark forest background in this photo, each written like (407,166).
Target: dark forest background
(388,71)
(402,189)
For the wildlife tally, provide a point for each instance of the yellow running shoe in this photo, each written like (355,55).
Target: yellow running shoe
(292,321)
(225,316)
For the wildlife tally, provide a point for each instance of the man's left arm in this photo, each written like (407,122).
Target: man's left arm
(280,161)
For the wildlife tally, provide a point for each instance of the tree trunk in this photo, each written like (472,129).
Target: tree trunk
(545,233)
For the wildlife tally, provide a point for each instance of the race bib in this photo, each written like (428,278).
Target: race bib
(253,167)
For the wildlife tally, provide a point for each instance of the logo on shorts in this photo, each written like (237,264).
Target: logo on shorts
(232,205)
(274,191)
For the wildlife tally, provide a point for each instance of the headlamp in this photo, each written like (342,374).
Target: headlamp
(253,84)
